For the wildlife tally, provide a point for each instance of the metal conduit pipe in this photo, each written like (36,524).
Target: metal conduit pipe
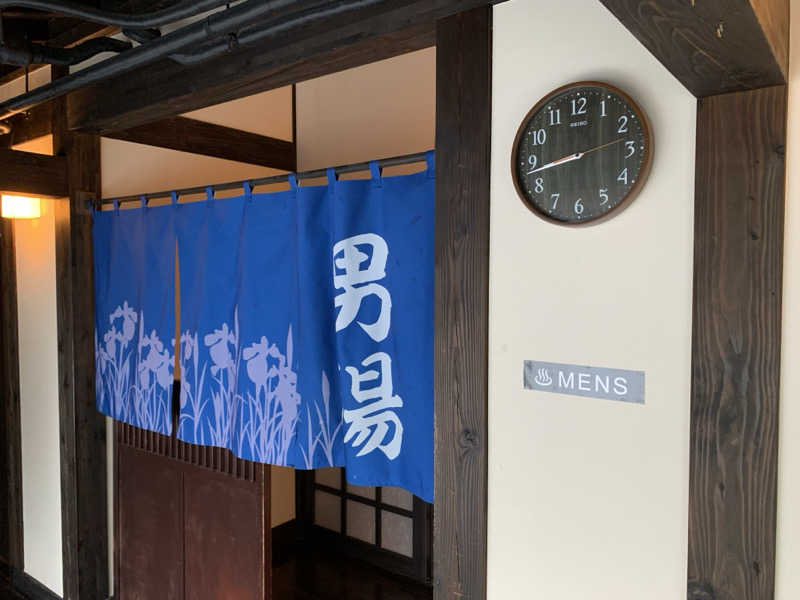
(183,10)
(257,33)
(36,54)
(406,159)
(215,25)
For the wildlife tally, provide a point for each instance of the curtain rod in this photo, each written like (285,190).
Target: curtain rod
(233,185)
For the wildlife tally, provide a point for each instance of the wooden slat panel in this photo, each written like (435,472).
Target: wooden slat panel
(190,135)
(36,174)
(11,468)
(739,208)
(712,47)
(463,149)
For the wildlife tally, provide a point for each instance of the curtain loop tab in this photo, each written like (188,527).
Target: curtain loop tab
(376,171)
(174,196)
(248,189)
(430,158)
(331,175)
(116,205)
(293,181)
(209,194)
(143,199)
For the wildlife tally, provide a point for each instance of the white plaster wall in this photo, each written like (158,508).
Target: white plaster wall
(588,498)
(787,583)
(38,358)
(383,109)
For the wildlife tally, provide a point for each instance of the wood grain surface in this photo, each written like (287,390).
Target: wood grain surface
(166,89)
(712,47)
(83,435)
(29,173)
(10,417)
(463,150)
(199,137)
(739,208)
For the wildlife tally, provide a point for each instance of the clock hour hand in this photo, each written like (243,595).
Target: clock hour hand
(572,157)
(560,161)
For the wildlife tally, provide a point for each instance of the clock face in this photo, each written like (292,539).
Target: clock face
(581,154)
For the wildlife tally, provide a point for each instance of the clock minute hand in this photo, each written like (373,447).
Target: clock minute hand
(560,161)
(575,156)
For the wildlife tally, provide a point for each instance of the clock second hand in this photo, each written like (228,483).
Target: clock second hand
(575,156)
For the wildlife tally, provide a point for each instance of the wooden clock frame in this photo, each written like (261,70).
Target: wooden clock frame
(643,172)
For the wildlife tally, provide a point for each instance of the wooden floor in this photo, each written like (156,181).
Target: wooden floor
(315,576)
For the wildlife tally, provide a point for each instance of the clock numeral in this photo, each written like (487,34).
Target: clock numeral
(623,176)
(579,107)
(578,207)
(555,117)
(631,146)
(539,137)
(603,108)
(623,124)
(532,161)
(603,196)
(555,198)
(539,186)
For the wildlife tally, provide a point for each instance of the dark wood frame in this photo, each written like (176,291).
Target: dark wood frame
(461,300)
(9,396)
(417,568)
(647,161)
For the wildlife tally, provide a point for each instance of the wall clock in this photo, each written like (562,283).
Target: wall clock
(582,153)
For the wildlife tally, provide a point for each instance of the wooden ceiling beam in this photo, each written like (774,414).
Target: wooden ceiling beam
(199,137)
(713,46)
(34,174)
(36,123)
(167,89)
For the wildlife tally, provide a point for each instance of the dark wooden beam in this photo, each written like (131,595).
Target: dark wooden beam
(10,399)
(82,427)
(36,123)
(35,174)
(167,89)
(463,151)
(199,137)
(713,47)
(736,347)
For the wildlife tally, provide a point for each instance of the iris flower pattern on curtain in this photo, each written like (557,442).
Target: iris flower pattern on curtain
(306,325)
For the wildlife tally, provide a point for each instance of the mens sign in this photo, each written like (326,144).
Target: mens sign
(580,380)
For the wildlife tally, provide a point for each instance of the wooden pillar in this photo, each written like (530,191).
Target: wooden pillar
(463,152)
(10,423)
(739,208)
(83,436)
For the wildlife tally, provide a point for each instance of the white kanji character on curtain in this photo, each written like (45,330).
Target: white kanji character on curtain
(356,271)
(369,425)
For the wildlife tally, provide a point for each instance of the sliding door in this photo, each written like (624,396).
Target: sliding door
(191,522)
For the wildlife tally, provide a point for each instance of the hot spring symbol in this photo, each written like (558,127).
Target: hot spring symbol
(543,378)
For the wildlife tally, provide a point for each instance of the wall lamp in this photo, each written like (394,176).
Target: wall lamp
(21,207)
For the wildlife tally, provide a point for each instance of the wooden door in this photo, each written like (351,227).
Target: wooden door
(191,522)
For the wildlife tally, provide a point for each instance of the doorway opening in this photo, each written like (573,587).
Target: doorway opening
(350,541)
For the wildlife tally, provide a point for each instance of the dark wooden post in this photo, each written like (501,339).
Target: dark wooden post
(11,455)
(463,151)
(739,208)
(83,435)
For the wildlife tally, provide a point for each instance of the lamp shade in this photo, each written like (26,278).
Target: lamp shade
(21,207)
